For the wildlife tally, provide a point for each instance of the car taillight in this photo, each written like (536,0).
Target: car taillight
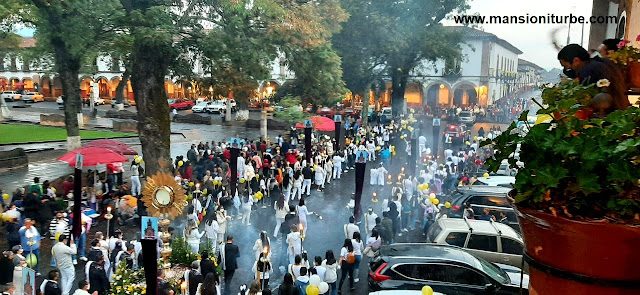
(376,276)
(456,207)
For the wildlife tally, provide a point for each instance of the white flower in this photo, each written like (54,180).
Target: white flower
(603,83)
(118,277)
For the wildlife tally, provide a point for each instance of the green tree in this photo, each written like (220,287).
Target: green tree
(71,31)
(163,32)
(306,42)
(400,34)
(238,51)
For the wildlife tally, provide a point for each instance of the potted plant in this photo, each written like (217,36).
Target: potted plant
(577,195)
(628,58)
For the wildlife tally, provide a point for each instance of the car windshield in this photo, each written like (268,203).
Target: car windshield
(170,101)
(493,271)
(202,104)
(433,232)
(465,114)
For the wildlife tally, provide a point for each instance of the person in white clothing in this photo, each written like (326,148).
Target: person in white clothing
(211,228)
(319,176)
(296,192)
(337,166)
(261,244)
(193,235)
(358,247)
(247,203)
(282,209)
(382,174)
(374,176)
(135,179)
(302,215)
(294,243)
(328,170)
(351,228)
(370,221)
(83,288)
(371,148)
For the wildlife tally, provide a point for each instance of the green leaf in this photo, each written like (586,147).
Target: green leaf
(589,183)
(549,175)
(628,145)
(523,116)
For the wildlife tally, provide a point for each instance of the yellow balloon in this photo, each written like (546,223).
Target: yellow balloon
(242,180)
(432,198)
(313,290)
(191,184)
(475,138)
(426,186)
(257,176)
(426,290)
(204,191)
(180,163)
(436,201)
(5,196)
(485,175)
(138,160)
(204,212)
(467,143)
(447,205)
(377,148)
(135,157)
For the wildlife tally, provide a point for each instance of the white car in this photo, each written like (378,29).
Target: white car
(220,106)
(201,107)
(31,96)
(496,180)
(10,95)
(494,241)
(467,117)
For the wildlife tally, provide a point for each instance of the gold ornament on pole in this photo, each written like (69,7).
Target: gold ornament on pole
(164,199)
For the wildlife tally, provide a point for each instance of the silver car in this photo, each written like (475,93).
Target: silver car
(493,241)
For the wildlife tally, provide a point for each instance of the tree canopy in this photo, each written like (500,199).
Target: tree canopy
(396,37)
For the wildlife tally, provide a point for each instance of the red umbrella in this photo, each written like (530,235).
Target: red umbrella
(93,156)
(113,145)
(321,123)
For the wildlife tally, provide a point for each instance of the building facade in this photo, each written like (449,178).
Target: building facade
(486,73)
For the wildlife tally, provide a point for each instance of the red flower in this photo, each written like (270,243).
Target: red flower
(638,38)
(623,43)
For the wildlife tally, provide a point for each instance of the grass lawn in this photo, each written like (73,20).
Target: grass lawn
(32,133)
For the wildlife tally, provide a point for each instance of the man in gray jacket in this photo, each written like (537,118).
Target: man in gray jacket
(63,255)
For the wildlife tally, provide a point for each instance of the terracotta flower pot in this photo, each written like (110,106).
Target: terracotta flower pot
(580,257)
(633,74)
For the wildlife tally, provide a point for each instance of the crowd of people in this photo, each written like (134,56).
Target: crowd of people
(272,176)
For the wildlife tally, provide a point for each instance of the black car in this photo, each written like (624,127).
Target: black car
(447,269)
(482,197)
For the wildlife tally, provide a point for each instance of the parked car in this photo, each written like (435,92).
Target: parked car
(31,96)
(180,104)
(220,106)
(201,107)
(326,111)
(493,241)
(496,180)
(386,115)
(467,117)
(456,134)
(447,269)
(11,95)
(481,197)
(97,101)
